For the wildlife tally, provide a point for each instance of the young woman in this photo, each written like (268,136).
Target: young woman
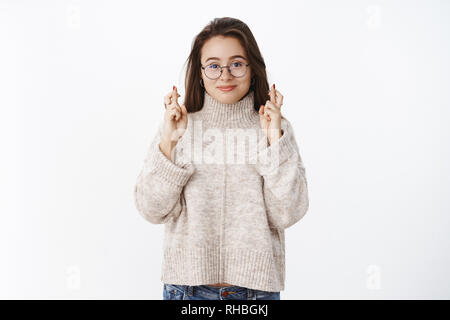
(224,218)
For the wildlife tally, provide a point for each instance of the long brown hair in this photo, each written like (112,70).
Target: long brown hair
(228,27)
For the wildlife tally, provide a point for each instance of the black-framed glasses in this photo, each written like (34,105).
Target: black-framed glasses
(214,70)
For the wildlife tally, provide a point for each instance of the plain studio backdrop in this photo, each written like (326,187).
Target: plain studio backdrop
(366,87)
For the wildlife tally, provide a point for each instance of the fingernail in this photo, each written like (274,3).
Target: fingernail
(274,85)
(173,88)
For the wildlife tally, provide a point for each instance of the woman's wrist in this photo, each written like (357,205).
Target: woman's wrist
(274,136)
(167,148)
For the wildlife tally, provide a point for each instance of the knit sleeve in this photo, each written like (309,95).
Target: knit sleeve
(284,181)
(158,192)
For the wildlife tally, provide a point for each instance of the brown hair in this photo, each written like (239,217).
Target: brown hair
(228,27)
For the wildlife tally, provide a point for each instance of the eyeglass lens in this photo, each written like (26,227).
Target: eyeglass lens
(237,69)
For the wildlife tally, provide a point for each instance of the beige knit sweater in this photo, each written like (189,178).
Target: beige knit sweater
(225,204)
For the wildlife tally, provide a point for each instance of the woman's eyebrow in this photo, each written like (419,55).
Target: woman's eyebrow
(232,57)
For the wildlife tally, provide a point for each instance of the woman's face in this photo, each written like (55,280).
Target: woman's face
(225,51)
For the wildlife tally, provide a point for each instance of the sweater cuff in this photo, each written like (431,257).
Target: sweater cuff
(165,169)
(273,156)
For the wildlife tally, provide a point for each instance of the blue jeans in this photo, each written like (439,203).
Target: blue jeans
(205,292)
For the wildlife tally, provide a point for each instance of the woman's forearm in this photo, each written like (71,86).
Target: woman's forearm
(167,148)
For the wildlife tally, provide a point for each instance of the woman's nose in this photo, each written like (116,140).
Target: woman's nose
(226,73)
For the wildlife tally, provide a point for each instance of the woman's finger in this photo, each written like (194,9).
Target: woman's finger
(271,94)
(171,114)
(263,113)
(272,111)
(174,114)
(267,113)
(261,109)
(279,99)
(275,96)
(177,111)
(169,95)
(167,100)
(272,106)
(183,109)
(175,95)
(173,109)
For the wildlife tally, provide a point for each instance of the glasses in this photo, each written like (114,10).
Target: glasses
(214,71)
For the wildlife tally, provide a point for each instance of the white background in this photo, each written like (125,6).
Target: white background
(366,86)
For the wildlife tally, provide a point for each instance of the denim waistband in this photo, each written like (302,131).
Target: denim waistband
(189,290)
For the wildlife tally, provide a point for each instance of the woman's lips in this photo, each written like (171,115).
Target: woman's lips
(227,88)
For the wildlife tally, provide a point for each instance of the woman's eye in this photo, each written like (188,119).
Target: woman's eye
(237,64)
(213,66)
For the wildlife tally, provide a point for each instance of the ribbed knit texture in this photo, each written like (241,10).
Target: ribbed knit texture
(224,220)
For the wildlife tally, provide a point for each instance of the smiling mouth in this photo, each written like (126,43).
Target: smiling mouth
(226,88)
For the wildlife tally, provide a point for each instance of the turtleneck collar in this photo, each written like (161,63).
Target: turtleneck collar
(238,114)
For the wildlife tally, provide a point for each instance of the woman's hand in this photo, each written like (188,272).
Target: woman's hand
(175,119)
(175,123)
(270,115)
